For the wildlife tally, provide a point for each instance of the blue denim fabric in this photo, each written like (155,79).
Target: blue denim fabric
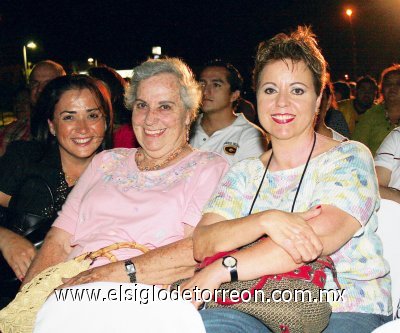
(232,321)
(355,322)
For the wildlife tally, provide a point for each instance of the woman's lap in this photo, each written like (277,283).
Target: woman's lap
(121,307)
(232,321)
(355,322)
(64,316)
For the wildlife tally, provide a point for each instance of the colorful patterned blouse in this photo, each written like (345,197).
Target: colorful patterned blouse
(343,177)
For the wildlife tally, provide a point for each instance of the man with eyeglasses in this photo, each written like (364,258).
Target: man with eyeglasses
(42,73)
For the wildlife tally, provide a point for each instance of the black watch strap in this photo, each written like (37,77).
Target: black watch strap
(130,270)
(234,274)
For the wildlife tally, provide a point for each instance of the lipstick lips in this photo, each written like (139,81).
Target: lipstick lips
(283,118)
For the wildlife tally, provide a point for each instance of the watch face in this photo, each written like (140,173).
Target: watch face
(130,269)
(229,261)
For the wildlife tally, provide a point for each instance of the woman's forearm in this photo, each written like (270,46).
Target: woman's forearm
(55,249)
(4,199)
(389,193)
(263,258)
(5,234)
(215,234)
(334,228)
(289,230)
(166,264)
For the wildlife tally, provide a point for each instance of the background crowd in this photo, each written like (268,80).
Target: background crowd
(179,126)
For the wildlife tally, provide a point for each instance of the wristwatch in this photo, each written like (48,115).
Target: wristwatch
(130,270)
(230,263)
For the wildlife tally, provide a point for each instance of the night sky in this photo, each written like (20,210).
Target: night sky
(121,33)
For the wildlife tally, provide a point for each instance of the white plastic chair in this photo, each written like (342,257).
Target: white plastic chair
(390,327)
(389,232)
(121,307)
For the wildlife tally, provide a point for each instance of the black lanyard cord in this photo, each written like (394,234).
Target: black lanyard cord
(300,182)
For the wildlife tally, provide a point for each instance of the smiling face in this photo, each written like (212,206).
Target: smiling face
(217,94)
(391,88)
(286,99)
(78,123)
(159,117)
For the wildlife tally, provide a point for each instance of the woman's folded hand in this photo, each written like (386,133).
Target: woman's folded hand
(292,232)
(18,252)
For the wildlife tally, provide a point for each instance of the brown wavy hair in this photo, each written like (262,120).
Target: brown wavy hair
(300,45)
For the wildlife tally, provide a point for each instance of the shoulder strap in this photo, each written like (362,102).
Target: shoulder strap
(39,179)
(23,221)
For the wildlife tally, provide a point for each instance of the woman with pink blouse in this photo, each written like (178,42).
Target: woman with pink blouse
(151,195)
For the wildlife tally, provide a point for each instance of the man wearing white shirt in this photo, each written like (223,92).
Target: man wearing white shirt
(218,128)
(387,165)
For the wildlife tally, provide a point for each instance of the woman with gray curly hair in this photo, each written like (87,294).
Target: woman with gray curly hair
(152,195)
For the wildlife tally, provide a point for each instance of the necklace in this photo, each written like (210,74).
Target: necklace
(157,166)
(70,179)
(301,178)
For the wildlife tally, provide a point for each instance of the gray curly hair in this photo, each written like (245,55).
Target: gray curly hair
(189,91)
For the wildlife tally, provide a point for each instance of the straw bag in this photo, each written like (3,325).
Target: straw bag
(256,297)
(19,316)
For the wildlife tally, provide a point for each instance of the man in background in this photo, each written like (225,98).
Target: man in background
(42,73)
(218,128)
(366,92)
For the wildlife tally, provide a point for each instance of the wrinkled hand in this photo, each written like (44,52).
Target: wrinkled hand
(18,253)
(292,232)
(210,278)
(114,272)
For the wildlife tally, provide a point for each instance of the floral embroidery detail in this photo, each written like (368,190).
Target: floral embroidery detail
(115,169)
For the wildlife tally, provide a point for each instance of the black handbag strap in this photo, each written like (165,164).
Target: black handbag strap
(24,222)
(31,226)
(34,178)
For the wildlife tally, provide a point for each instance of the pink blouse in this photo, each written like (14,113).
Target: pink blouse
(115,202)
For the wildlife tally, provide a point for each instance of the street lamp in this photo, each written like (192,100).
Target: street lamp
(349,13)
(156,52)
(32,46)
(92,62)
